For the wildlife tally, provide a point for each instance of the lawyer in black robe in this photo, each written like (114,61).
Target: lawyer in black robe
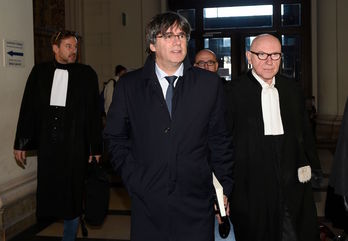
(266,178)
(64,137)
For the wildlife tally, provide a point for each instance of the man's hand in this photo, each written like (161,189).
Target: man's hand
(227,208)
(21,158)
(97,157)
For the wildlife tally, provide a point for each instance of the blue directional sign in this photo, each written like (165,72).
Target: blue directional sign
(14,51)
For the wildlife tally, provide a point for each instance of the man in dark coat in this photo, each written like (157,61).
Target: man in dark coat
(272,198)
(336,206)
(60,118)
(206,59)
(167,148)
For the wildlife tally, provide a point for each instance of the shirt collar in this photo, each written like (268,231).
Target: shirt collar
(161,74)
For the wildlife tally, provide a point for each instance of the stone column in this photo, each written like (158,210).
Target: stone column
(332,78)
(74,20)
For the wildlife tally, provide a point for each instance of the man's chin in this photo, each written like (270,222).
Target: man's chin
(178,60)
(269,75)
(71,61)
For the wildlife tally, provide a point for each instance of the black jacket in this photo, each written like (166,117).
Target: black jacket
(167,164)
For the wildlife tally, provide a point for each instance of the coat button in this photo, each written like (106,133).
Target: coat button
(167,130)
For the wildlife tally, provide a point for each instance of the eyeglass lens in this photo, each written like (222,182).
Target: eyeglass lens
(264,56)
(209,63)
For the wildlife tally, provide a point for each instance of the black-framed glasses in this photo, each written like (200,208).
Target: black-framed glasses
(170,37)
(208,63)
(264,56)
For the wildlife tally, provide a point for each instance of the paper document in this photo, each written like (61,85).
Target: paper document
(219,196)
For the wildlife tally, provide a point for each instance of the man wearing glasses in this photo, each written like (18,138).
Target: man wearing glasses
(167,134)
(272,198)
(206,59)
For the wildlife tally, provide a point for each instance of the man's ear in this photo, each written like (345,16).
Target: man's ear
(248,56)
(55,48)
(152,48)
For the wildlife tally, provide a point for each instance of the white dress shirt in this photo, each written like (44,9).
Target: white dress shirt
(163,81)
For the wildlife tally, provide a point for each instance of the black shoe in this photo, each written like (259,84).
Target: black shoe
(341,237)
(224,227)
(83,227)
(326,231)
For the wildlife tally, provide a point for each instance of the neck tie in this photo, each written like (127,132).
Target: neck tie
(169,93)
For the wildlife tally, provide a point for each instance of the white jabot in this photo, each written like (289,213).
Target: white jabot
(272,119)
(161,77)
(59,87)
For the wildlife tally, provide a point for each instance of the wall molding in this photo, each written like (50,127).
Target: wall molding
(17,205)
(17,188)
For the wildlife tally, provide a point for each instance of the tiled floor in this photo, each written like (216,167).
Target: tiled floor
(326,158)
(116,226)
(117,223)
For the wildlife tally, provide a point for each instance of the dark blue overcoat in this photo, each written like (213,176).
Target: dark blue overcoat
(166,164)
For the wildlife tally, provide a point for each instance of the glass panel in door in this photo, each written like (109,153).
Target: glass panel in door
(222,48)
(291,60)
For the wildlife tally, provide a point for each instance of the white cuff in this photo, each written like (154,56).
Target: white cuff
(304,174)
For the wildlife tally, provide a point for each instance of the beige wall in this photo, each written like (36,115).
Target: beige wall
(331,51)
(17,186)
(107,42)
(16,23)
(342,53)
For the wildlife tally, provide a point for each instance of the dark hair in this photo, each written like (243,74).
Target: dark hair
(119,68)
(160,23)
(58,36)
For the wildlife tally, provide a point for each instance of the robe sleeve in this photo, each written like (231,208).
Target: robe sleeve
(309,142)
(308,137)
(26,134)
(309,145)
(94,131)
(220,144)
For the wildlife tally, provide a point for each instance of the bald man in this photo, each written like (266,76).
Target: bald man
(272,198)
(206,59)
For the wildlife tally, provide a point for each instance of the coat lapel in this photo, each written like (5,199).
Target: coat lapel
(152,82)
(180,85)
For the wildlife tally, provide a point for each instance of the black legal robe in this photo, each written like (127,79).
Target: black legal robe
(265,174)
(64,137)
